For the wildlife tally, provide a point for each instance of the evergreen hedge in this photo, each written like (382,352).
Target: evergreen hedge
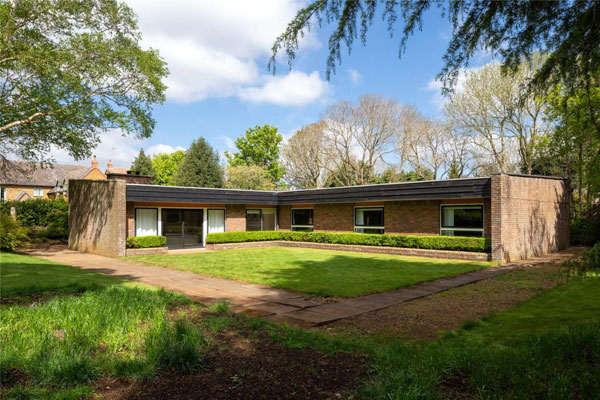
(473,244)
(36,212)
(144,242)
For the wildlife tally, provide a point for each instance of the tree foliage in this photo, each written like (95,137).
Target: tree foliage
(71,70)
(304,157)
(165,166)
(250,177)
(260,147)
(142,164)
(510,30)
(200,167)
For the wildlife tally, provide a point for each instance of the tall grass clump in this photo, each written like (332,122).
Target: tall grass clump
(72,340)
(175,345)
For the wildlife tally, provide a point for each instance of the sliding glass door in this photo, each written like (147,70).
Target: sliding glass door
(182,227)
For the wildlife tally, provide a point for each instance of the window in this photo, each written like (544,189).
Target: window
(216,221)
(3,194)
(368,220)
(302,219)
(462,221)
(38,192)
(146,222)
(261,219)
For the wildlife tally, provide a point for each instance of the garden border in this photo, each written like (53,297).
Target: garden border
(400,251)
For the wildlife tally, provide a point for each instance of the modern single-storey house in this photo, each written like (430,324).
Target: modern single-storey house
(523,215)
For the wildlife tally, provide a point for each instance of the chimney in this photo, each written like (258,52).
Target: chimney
(94,162)
(109,165)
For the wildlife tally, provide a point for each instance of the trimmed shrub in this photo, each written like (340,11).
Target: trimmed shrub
(473,244)
(35,212)
(58,225)
(585,231)
(12,234)
(143,242)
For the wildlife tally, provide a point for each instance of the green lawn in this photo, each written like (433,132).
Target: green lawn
(312,271)
(68,328)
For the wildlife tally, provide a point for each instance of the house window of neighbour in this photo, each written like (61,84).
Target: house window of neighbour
(261,219)
(302,219)
(38,192)
(368,220)
(462,221)
(3,194)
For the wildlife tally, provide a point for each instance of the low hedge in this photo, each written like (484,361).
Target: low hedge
(473,244)
(36,212)
(144,242)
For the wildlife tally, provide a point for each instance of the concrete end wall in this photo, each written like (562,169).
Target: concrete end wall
(530,216)
(97,222)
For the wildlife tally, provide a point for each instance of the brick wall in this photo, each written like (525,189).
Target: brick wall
(97,217)
(334,217)
(412,217)
(530,216)
(285,218)
(130,215)
(235,215)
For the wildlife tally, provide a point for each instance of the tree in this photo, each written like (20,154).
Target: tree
(69,71)
(260,147)
(250,177)
(493,113)
(142,164)
(359,136)
(510,30)
(200,167)
(165,167)
(304,157)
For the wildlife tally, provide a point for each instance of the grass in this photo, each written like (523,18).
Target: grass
(70,327)
(547,347)
(313,271)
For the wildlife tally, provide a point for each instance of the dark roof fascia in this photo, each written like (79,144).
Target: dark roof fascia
(425,190)
(179,194)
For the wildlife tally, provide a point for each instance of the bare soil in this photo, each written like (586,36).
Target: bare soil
(243,363)
(427,317)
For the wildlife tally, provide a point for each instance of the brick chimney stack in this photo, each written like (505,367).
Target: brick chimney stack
(94,162)
(109,165)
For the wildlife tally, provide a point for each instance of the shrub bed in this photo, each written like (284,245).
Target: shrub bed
(144,242)
(456,243)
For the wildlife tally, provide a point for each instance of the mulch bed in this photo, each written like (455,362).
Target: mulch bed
(426,317)
(247,364)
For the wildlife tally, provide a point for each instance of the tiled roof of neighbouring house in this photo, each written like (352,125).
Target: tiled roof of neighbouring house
(37,174)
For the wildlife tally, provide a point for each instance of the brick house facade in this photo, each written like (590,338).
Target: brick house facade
(523,215)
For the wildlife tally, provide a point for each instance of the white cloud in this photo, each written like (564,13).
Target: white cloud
(213,49)
(229,142)
(354,75)
(162,148)
(294,89)
(116,147)
(435,86)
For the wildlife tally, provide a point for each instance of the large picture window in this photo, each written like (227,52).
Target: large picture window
(216,221)
(462,220)
(302,219)
(368,220)
(261,219)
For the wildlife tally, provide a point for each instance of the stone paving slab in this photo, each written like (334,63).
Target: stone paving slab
(275,304)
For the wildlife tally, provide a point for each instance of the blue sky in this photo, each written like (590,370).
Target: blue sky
(219,84)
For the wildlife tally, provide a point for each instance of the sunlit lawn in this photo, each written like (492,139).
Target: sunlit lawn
(312,271)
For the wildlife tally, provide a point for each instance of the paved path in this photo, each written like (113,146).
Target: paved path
(275,304)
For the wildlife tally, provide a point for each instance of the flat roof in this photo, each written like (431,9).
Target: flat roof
(421,190)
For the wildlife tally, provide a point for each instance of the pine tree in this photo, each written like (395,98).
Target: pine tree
(200,167)
(142,164)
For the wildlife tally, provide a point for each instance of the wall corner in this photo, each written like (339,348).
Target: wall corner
(496,217)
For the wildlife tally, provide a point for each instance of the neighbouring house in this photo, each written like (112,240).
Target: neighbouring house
(523,215)
(23,180)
